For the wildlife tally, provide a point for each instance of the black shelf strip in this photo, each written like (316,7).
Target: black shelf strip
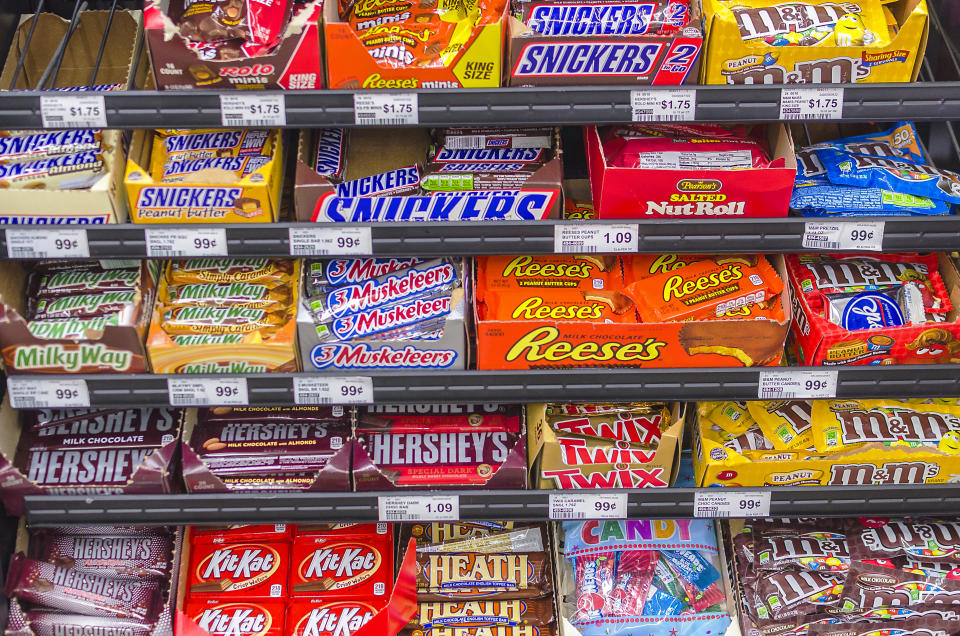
(475,505)
(534,237)
(576,385)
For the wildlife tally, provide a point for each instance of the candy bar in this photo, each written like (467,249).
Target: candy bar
(331,151)
(425,418)
(532,539)
(284,482)
(886,539)
(257,21)
(64,172)
(189,170)
(48,623)
(219,320)
(840,425)
(785,423)
(260,414)
(821,551)
(220,143)
(644,427)
(344,271)
(462,615)
(48,144)
(491,156)
(249,295)
(832,273)
(788,594)
(140,428)
(609,18)
(478,138)
(93,470)
(47,286)
(471,575)
(233,616)
(328,616)
(908,626)
(143,556)
(212,439)
(86,305)
(344,566)
(241,570)
(871,587)
(80,592)
(528,273)
(427,534)
(496,630)
(393,182)
(257,532)
(352,529)
(266,271)
(424,314)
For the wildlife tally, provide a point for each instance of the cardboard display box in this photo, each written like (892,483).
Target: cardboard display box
(152,476)
(255,198)
(731,60)
(638,193)
(552,466)
(820,342)
(533,344)
(371,152)
(295,63)
(634,60)
(115,349)
(351,66)
(104,201)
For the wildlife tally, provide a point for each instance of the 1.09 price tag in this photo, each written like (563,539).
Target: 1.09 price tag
(586,239)
(429,508)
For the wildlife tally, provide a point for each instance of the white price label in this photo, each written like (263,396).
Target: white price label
(585,239)
(386,109)
(47,243)
(73,111)
(420,508)
(175,243)
(797,384)
(721,504)
(40,393)
(867,236)
(330,241)
(819,102)
(207,391)
(253,109)
(675,104)
(565,506)
(325,389)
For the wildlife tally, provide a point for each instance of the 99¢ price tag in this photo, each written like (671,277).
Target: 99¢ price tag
(39,393)
(585,239)
(326,389)
(588,506)
(386,109)
(207,391)
(176,243)
(676,104)
(794,384)
(721,504)
(73,111)
(253,109)
(820,102)
(863,235)
(430,508)
(47,243)
(310,241)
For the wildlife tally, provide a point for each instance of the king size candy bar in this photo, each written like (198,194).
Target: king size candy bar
(469,176)
(186,170)
(256,21)
(460,576)
(488,155)
(604,17)
(139,556)
(393,182)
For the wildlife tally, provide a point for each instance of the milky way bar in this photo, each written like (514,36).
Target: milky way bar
(64,172)
(47,623)
(45,286)
(393,182)
(309,414)
(461,576)
(48,144)
(414,418)
(478,613)
(140,556)
(250,295)
(218,320)
(81,592)
(75,328)
(230,270)
(479,138)
(330,155)
(85,305)
(221,143)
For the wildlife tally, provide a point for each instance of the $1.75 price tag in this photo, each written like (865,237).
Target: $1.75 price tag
(315,241)
(720,504)
(794,384)
(386,109)
(429,508)
(73,111)
(820,102)
(47,243)
(565,506)
(675,104)
(175,243)
(862,235)
(253,109)
(588,238)
(326,389)
(207,391)
(38,393)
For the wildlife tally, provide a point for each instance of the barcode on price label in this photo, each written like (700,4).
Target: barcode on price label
(310,241)
(386,109)
(47,243)
(820,102)
(677,104)
(723,504)
(332,390)
(207,391)
(176,243)
(797,384)
(73,111)
(846,236)
(40,393)
(587,239)
(568,506)
(421,508)
(261,109)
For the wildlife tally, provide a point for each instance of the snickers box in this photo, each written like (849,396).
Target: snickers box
(371,152)
(633,59)
(564,462)
(739,50)
(53,461)
(295,63)
(254,198)
(114,349)
(103,202)
(643,193)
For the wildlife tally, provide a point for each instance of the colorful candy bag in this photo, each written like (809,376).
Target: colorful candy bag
(660,576)
(810,23)
(891,173)
(844,425)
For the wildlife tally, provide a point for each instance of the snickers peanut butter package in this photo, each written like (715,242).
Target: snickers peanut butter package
(275,449)
(439,446)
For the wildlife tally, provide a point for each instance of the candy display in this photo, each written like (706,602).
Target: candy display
(439,446)
(603,445)
(268,449)
(853,576)
(584,310)
(661,576)
(422,175)
(383,313)
(225,316)
(689,170)
(882,309)
(826,442)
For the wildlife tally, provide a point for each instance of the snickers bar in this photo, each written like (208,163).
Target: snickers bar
(221,143)
(489,155)
(63,172)
(401,181)
(330,154)
(48,144)
(603,18)
(480,138)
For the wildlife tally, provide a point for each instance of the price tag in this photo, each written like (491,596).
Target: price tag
(866,236)
(386,109)
(40,393)
(174,242)
(326,389)
(584,239)
(793,384)
(719,503)
(207,391)
(819,102)
(588,506)
(420,508)
(47,243)
(324,241)
(253,109)
(676,104)
(73,111)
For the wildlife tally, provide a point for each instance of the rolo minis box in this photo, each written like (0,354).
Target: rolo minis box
(732,59)
(639,193)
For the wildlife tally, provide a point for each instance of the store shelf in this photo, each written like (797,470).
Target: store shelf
(427,239)
(520,505)
(572,385)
